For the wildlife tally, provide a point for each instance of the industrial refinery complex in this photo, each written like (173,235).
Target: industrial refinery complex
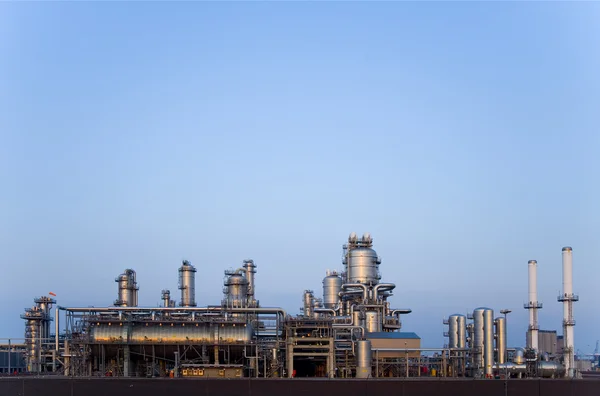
(347,330)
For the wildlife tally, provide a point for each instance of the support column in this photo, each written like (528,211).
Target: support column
(331,359)
(290,356)
(126,361)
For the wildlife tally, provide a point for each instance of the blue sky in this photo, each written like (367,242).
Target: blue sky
(462,136)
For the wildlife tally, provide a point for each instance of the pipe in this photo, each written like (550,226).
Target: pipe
(279,311)
(352,327)
(56,330)
(355,285)
(325,310)
(384,287)
(401,311)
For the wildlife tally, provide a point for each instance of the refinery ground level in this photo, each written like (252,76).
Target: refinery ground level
(60,386)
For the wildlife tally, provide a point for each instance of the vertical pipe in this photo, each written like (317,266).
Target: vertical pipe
(9,355)
(56,329)
(500,340)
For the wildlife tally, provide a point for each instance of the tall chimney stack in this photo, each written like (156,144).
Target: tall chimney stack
(568,298)
(533,305)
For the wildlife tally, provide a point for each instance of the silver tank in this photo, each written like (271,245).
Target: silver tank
(519,357)
(308,303)
(372,321)
(332,285)
(127,289)
(364,358)
(483,343)
(318,304)
(189,332)
(500,340)
(550,369)
(363,266)
(187,284)
(462,331)
(358,318)
(457,331)
(166,298)
(237,290)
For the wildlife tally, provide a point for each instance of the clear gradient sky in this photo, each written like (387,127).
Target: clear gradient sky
(463,136)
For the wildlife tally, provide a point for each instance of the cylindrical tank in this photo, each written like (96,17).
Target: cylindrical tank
(178,333)
(358,318)
(187,284)
(127,289)
(250,268)
(372,321)
(483,343)
(452,331)
(237,290)
(519,357)
(462,331)
(550,369)
(500,340)
(166,298)
(364,358)
(512,368)
(363,266)
(488,340)
(33,342)
(308,303)
(318,304)
(332,285)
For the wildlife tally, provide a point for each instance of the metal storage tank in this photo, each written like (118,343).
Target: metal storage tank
(308,303)
(237,290)
(332,285)
(462,331)
(127,289)
(364,359)
(483,334)
(187,284)
(166,298)
(372,321)
(363,266)
(453,331)
(171,333)
(500,340)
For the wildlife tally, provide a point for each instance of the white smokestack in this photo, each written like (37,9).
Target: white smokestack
(533,305)
(567,298)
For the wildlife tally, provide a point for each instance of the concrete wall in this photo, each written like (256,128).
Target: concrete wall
(294,387)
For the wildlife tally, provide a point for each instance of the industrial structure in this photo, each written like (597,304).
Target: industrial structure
(349,331)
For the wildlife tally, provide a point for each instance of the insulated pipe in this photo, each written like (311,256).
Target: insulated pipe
(325,310)
(343,326)
(356,285)
(401,311)
(56,330)
(383,287)
(278,311)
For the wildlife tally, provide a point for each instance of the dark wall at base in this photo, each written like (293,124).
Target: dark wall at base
(294,387)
